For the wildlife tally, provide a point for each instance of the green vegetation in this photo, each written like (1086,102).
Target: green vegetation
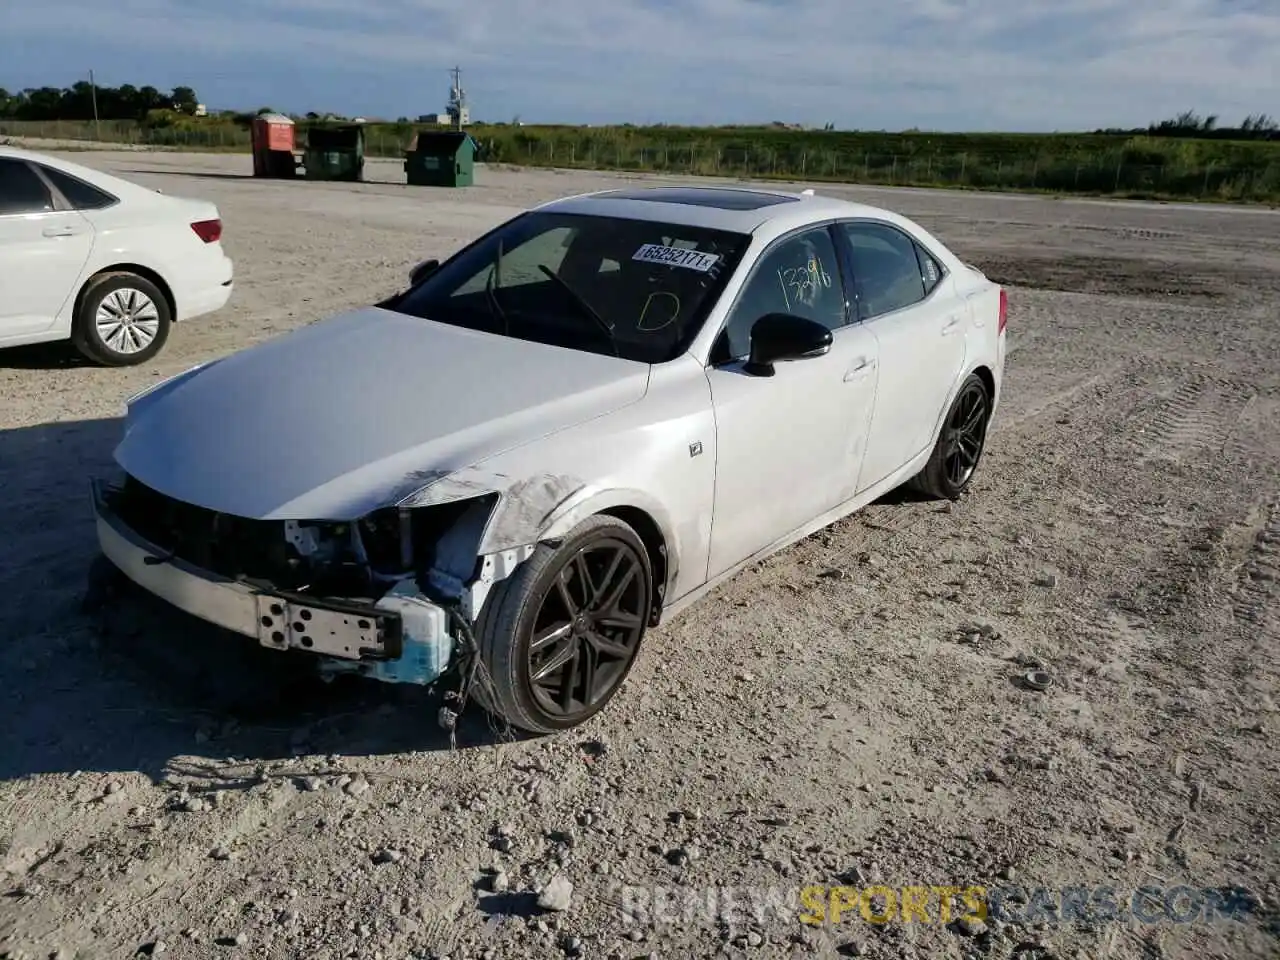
(1256,126)
(1187,157)
(1061,163)
(78,102)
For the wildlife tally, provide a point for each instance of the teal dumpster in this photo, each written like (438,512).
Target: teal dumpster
(334,152)
(445,158)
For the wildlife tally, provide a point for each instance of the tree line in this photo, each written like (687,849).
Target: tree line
(76,102)
(1190,125)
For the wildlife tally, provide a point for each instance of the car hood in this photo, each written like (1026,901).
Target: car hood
(357,412)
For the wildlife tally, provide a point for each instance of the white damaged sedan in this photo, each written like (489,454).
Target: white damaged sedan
(560,436)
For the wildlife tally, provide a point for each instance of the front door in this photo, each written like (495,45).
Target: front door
(42,251)
(920,326)
(787,446)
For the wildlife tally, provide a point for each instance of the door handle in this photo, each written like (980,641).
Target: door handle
(861,368)
(951,326)
(66,230)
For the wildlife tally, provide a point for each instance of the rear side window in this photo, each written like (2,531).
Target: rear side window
(930,270)
(78,193)
(21,189)
(886,270)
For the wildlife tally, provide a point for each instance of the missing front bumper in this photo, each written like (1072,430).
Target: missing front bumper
(354,633)
(403,638)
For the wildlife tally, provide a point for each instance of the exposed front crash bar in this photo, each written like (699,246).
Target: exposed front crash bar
(278,620)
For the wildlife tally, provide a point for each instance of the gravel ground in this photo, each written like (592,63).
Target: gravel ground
(166,789)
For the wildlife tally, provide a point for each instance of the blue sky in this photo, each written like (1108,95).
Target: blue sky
(869,64)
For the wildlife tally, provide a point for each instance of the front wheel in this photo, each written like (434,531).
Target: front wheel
(558,637)
(960,443)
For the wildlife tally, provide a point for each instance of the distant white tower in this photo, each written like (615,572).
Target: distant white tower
(457,110)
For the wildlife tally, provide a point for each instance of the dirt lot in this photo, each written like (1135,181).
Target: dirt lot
(846,713)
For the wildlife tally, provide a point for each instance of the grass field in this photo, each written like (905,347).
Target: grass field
(1097,164)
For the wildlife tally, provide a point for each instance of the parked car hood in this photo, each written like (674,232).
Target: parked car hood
(357,412)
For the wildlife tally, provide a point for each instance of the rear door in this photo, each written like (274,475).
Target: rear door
(44,246)
(905,297)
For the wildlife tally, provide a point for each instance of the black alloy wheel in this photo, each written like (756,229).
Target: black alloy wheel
(588,628)
(559,636)
(965,433)
(960,443)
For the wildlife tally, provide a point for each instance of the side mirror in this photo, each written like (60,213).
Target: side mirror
(784,336)
(422,271)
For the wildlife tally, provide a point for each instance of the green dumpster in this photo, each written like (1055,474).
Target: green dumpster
(445,158)
(334,152)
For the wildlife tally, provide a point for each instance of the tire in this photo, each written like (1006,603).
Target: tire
(135,300)
(960,444)
(531,599)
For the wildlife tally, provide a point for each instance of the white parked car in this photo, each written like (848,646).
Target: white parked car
(563,434)
(102,262)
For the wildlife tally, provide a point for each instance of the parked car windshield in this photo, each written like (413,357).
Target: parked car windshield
(637,288)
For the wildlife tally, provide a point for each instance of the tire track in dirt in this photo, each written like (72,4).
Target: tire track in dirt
(1199,416)
(1136,233)
(1105,422)
(1171,417)
(1248,442)
(1257,605)
(1051,402)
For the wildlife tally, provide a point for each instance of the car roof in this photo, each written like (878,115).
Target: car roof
(736,209)
(101,179)
(48,160)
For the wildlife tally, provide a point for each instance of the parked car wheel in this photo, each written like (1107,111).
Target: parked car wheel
(960,443)
(560,635)
(123,320)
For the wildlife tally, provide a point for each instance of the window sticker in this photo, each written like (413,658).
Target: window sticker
(676,257)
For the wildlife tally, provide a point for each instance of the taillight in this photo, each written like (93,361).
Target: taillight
(1004,311)
(210,231)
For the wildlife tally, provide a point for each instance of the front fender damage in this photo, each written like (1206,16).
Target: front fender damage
(523,506)
(496,528)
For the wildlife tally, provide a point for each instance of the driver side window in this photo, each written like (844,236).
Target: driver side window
(798,275)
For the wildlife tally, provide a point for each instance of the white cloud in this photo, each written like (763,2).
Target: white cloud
(976,64)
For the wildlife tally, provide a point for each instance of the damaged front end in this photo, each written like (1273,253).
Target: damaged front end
(391,596)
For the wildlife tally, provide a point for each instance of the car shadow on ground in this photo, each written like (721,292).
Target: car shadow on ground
(186,174)
(300,178)
(41,356)
(138,685)
(904,494)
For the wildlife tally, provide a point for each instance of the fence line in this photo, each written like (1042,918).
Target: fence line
(1105,174)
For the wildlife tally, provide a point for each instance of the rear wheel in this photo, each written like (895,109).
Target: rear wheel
(559,636)
(960,443)
(123,320)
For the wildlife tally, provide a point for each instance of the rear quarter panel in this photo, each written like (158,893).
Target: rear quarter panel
(986,343)
(158,236)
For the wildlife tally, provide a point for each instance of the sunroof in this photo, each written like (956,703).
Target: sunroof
(725,198)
